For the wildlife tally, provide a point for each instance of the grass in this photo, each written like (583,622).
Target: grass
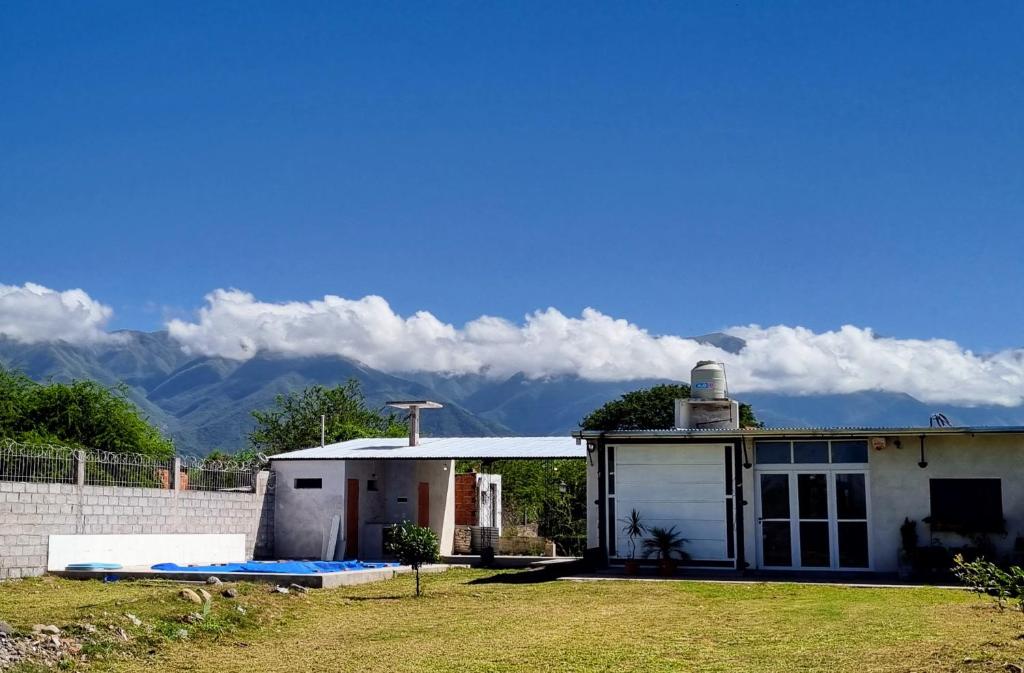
(486,621)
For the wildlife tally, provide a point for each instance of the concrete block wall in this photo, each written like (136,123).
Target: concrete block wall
(30,513)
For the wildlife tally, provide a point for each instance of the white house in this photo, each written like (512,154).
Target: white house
(338,500)
(807,499)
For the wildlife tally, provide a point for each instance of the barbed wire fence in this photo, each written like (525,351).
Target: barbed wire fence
(55,464)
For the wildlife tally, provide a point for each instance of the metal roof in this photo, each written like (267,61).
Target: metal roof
(799,432)
(442,448)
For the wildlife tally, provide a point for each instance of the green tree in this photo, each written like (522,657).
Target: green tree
(649,409)
(413,546)
(294,421)
(81,413)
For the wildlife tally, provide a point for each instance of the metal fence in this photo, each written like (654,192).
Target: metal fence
(42,463)
(47,463)
(202,474)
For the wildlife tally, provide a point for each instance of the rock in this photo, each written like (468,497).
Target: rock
(279,590)
(299,588)
(204,594)
(1014,668)
(48,629)
(229,593)
(192,618)
(213,580)
(240,609)
(6,629)
(88,628)
(190,596)
(133,619)
(181,634)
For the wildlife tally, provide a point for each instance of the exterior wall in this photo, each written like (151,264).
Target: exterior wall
(30,513)
(899,488)
(466,513)
(593,513)
(302,517)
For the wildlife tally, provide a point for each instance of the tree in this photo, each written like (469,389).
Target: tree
(294,421)
(413,546)
(649,409)
(550,492)
(82,414)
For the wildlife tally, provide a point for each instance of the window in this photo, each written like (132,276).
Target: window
(371,485)
(967,505)
(809,452)
(307,482)
(850,451)
(770,453)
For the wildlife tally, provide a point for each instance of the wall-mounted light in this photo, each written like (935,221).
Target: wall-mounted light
(922,463)
(746,458)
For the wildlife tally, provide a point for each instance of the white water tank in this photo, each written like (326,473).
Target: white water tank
(707,381)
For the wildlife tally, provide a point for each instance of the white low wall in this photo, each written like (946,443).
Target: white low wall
(145,550)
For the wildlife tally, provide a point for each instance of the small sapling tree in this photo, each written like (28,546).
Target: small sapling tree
(413,546)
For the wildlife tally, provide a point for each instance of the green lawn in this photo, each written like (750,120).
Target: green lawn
(482,621)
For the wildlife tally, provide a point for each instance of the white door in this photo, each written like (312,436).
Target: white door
(673,485)
(812,518)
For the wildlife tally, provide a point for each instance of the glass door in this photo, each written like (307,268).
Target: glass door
(813,519)
(774,520)
(814,546)
(851,519)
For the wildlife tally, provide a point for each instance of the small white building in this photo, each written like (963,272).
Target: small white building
(806,499)
(337,501)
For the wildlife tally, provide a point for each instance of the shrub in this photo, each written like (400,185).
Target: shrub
(985,577)
(413,546)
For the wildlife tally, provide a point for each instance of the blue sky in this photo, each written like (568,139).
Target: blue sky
(686,166)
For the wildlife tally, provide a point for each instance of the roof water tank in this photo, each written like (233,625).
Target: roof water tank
(707,381)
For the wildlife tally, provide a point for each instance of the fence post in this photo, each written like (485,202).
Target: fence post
(80,467)
(176,472)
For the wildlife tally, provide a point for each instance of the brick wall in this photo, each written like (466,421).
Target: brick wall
(465,500)
(30,512)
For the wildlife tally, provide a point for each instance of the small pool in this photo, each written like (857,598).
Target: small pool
(276,567)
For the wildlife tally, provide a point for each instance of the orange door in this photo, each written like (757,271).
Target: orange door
(352,518)
(423,505)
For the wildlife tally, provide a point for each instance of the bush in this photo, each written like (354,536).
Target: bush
(413,546)
(985,577)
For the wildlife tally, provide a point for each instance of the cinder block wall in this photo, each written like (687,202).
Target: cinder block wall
(30,512)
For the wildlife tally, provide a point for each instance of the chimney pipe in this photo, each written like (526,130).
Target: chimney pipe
(414,406)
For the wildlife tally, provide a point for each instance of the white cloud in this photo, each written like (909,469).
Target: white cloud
(793,360)
(33,313)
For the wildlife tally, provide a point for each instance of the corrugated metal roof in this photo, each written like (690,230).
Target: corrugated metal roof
(442,448)
(797,432)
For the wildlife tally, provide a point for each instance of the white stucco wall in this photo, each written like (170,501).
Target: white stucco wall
(899,489)
(303,516)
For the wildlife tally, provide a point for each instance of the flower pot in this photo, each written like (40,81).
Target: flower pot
(667,567)
(632,567)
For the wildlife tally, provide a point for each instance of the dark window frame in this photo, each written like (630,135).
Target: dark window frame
(308,483)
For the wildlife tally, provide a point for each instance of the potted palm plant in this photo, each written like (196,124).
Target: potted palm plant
(633,529)
(664,542)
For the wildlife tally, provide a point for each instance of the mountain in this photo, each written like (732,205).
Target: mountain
(205,403)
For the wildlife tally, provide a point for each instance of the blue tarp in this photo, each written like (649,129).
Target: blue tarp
(278,567)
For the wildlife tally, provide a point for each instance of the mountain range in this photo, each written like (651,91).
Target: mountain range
(205,403)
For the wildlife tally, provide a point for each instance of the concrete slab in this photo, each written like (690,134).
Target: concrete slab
(315,581)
